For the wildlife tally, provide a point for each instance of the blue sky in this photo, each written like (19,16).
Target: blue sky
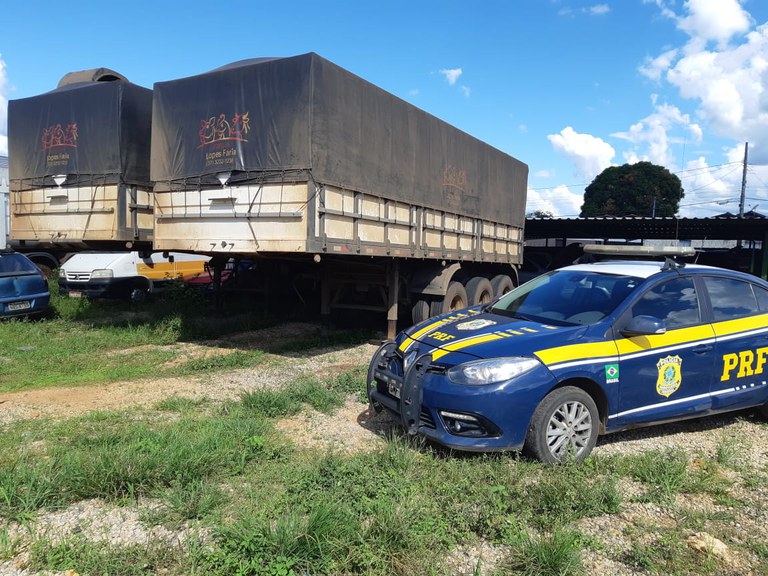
(568,86)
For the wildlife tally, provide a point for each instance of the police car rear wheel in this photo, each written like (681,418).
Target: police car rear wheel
(563,427)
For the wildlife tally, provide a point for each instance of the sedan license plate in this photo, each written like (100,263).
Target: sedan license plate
(73,294)
(393,388)
(16,306)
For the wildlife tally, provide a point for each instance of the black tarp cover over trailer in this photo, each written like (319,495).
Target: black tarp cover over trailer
(90,131)
(272,115)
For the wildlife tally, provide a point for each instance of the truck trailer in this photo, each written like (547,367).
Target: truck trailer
(79,167)
(315,173)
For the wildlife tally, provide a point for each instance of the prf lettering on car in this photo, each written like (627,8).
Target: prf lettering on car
(748,362)
(441,336)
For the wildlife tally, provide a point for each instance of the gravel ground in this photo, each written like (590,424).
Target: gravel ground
(353,428)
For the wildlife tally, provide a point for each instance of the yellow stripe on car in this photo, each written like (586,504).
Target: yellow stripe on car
(473,341)
(675,337)
(731,327)
(412,338)
(595,350)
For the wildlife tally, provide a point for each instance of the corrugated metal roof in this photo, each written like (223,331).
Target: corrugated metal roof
(636,228)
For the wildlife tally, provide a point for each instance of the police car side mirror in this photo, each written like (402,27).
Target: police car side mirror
(644,326)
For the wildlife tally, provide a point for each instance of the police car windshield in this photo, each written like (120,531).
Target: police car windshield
(567,297)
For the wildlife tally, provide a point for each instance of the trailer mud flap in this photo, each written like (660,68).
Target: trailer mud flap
(411,394)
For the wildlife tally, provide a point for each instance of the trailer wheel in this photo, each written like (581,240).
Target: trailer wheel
(501,285)
(420,311)
(138,295)
(479,291)
(455,299)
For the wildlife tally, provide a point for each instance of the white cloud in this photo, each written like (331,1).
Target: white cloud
(451,75)
(653,134)
(3,108)
(543,174)
(655,67)
(590,155)
(559,201)
(414,92)
(727,80)
(710,190)
(466,90)
(596,10)
(716,20)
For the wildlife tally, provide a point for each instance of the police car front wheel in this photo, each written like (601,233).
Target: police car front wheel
(563,427)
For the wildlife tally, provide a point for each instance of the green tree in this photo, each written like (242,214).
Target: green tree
(540,214)
(641,189)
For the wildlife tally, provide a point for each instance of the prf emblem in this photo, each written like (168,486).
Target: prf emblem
(670,375)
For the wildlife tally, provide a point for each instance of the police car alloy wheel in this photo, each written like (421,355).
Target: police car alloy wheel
(563,427)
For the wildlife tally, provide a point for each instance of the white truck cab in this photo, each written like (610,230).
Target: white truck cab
(131,275)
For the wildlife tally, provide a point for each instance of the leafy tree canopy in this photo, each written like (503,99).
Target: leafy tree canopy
(540,214)
(631,190)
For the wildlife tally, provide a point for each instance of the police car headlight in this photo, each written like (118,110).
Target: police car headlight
(481,372)
(102,273)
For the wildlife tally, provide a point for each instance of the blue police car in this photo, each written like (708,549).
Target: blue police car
(584,350)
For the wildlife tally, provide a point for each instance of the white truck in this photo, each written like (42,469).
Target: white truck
(127,275)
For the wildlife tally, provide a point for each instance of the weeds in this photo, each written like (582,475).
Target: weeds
(555,552)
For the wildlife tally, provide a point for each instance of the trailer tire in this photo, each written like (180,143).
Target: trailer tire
(479,291)
(501,285)
(455,299)
(420,311)
(138,295)
(45,268)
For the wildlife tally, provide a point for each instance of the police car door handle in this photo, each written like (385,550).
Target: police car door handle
(702,348)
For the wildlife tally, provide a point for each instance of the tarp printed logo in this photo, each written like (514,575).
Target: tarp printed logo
(55,136)
(220,128)
(59,138)
(670,375)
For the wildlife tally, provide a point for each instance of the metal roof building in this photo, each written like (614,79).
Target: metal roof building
(753,227)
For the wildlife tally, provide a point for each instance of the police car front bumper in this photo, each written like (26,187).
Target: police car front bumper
(473,418)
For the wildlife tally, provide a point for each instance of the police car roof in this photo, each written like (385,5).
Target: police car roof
(636,268)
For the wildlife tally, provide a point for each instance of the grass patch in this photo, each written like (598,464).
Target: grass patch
(81,557)
(668,553)
(289,400)
(270,510)
(91,342)
(555,552)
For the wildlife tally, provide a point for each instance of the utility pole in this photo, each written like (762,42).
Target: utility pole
(743,182)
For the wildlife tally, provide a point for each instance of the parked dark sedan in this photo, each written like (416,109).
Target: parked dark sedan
(23,287)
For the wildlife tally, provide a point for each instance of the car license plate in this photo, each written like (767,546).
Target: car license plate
(73,294)
(23,305)
(394,388)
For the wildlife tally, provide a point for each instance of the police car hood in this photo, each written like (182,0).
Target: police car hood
(472,334)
